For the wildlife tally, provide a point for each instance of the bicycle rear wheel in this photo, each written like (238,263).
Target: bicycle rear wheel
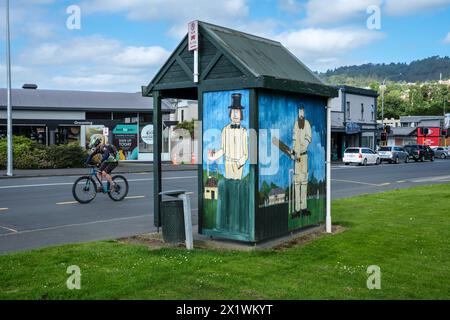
(84,189)
(121,188)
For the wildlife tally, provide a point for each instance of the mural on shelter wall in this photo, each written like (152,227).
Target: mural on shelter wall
(226,182)
(292,157)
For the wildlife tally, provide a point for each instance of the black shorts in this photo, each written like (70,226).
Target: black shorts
(108,167)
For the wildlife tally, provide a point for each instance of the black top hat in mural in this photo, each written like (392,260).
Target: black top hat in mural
(236,101)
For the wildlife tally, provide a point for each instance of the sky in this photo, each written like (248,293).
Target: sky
(121,44)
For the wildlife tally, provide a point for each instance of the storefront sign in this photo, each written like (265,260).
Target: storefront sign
(147,134)
(352,128)
(125,140)
(83,123)
(106,131)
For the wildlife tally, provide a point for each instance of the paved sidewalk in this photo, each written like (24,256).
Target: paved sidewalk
(123,168)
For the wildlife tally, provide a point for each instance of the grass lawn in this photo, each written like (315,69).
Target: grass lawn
(405,232)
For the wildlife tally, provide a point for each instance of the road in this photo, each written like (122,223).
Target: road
(38,212)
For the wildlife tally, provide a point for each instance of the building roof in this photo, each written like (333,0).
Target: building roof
(29,99)
(260,56)
(260,63)
(403,131)
(211,182)
(409,119)
(360,91)
(276,191)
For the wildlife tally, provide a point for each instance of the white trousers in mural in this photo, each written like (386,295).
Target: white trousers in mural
(301,184)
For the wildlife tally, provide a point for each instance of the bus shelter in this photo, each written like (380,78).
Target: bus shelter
(263,141)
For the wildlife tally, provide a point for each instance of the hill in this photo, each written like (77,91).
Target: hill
(424,70)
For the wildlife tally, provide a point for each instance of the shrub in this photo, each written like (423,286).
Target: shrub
(30,155)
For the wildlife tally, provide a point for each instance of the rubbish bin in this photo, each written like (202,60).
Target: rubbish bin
(172,218)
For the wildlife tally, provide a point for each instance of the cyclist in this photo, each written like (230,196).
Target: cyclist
(110,160)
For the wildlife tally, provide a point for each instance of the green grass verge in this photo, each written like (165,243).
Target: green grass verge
(405,232)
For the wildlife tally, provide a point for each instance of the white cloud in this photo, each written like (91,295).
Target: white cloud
(407,7)
(324,48)
(90,63)
(177,12)
(447,38)
(334,11)
(290,6)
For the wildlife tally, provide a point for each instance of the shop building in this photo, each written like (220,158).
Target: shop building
(59,117)
(354,120)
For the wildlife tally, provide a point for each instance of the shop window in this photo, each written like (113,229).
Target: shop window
(125,117)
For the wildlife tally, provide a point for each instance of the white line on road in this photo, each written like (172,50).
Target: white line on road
(72,225)
(66,203)
(75,225)
(3,209)
(135,197)
(9,229)
(71,183)
(364,183)
(431,179)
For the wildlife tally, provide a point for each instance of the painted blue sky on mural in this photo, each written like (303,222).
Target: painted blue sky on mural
(280,112)
(215,117)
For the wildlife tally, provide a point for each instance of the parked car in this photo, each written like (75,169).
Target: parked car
(441,152)
(361,156)
(419,152)
(393,154)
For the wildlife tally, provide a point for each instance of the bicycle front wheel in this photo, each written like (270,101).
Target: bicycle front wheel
(84,189)
(121,188)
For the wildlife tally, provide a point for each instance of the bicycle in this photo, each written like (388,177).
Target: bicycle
(84,189)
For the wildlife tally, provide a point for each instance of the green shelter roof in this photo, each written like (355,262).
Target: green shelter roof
(262,57)
(233,58)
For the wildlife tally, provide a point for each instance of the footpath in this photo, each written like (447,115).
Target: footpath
(124,167)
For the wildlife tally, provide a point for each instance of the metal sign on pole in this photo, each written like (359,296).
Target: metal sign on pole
(9,130)
(193,45)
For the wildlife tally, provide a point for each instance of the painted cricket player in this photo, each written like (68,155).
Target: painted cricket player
(232,209)
(301,139)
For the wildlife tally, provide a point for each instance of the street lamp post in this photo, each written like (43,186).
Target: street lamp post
(9,170)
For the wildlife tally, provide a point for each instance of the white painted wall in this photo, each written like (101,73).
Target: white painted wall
(336,103)
(355,108)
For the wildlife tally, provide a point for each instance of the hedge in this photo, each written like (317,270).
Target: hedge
(28,154)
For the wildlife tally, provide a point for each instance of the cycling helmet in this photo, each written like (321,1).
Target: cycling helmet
(95,142)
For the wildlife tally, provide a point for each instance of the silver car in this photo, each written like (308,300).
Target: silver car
(441,152)
(393,154)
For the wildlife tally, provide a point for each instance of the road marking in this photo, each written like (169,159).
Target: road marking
(364,183)
(66,203)
(3,209)
(71,183)
(9,229)
(72,225)
(135,197)
(401,181)
(431,179)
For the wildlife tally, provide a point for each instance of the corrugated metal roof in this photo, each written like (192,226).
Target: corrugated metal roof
(406,131)
(79,100)
(260,56)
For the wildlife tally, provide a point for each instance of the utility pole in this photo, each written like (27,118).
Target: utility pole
(9,130)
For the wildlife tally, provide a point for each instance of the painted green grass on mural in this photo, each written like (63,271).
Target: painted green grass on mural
(401,231)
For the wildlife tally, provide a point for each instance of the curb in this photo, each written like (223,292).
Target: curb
(118,171)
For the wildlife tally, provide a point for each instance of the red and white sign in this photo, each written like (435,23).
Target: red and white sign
(193,35)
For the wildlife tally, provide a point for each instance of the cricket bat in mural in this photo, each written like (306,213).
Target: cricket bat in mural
(285,149)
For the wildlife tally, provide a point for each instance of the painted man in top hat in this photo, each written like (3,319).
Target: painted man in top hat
(302,137)
(234,146)
(232,209)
